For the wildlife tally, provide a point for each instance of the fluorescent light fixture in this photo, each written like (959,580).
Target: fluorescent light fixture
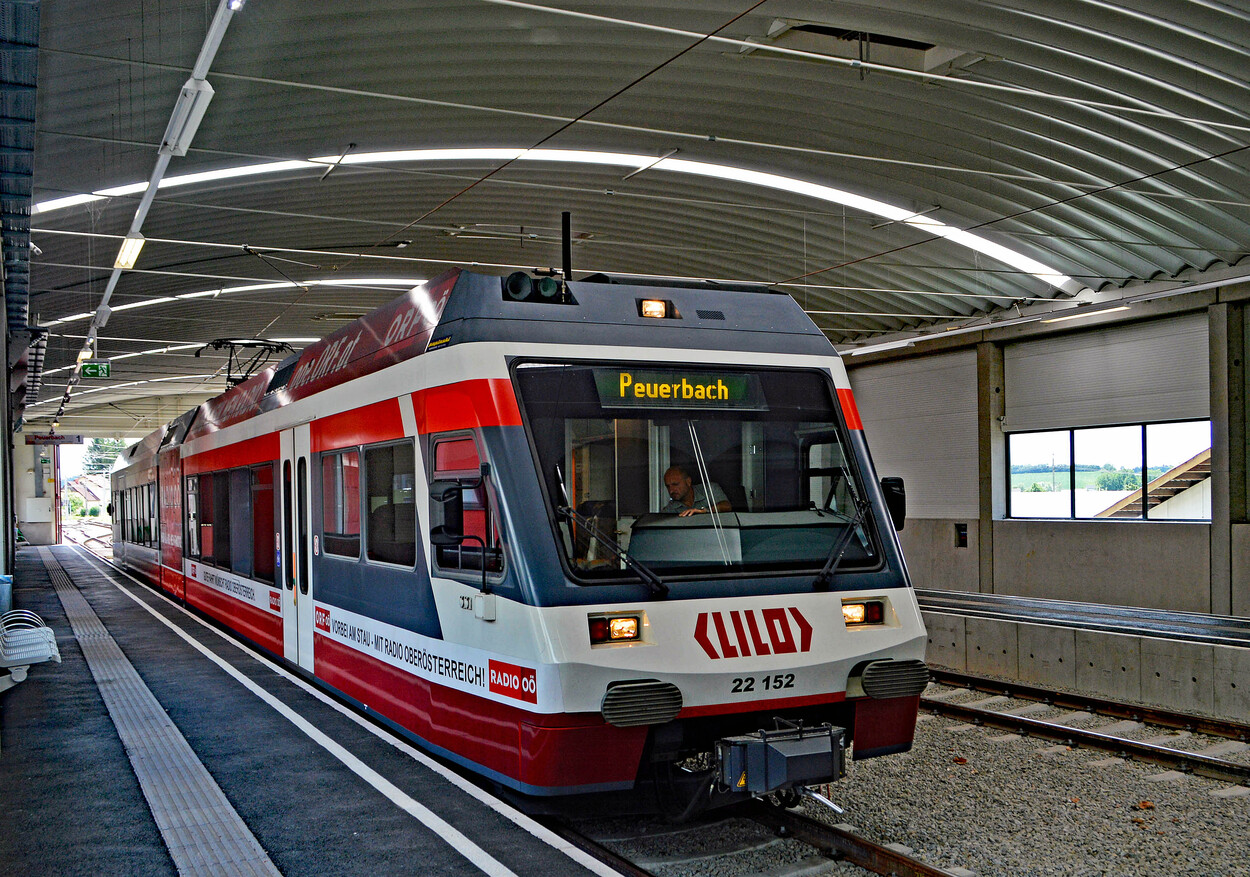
(1085,312)
(888,345)
(186,117)
(129,253)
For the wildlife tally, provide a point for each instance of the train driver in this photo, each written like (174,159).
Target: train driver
(689,498)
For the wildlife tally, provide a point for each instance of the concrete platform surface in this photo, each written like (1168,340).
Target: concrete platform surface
(89,786)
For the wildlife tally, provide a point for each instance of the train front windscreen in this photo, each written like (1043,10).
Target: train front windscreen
(695,470)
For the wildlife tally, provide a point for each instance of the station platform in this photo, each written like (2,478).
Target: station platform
(159,746)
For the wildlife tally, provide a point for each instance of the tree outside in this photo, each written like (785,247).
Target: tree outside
(102,454)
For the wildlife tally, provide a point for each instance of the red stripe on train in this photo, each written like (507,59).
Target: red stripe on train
(379,422)
(849,410)
(780,703)
(262,449)
(546,751)
(466,404)
(262,628)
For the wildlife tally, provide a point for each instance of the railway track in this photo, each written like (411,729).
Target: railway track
(1207,747)
(744,840)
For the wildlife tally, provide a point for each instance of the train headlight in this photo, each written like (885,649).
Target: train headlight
(653,307)
(866,612)
(614,629)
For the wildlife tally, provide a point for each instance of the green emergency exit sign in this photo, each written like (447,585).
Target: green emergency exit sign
(97,368)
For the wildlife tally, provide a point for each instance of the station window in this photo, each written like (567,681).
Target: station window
(391,501)
(456,458)
(1143,471)
(340,503)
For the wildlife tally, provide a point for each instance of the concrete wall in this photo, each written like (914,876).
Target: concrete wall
(933,558)
(1155,672)
(34,514)
(1153,565)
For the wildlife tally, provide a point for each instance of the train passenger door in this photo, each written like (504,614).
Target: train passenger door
(295,547)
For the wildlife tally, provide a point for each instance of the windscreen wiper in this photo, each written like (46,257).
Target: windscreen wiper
(825,577)
(654,582)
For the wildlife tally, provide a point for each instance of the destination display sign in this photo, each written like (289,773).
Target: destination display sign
(675,388)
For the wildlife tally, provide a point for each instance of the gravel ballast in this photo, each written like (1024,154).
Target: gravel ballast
(1007,806)
(976,799)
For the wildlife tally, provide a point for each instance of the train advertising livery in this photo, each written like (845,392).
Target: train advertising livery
(251,592)
(466,669)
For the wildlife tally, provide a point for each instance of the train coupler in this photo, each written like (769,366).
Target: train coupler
(789,758)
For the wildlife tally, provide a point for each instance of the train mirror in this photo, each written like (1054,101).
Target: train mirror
(446,513)
(895,499)
(109,508)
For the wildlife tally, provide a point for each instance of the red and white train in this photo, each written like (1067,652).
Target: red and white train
(453,513)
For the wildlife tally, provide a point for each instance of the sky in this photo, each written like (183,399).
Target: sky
(1168,444)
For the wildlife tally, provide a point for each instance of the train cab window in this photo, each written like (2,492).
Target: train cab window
(390,501)
(757,459)
(264,548)
(340,503)
(456,458)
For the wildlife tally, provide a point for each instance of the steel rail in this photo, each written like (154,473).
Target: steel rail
(839,843)
(1150,715)
(1176,759)
(593,848)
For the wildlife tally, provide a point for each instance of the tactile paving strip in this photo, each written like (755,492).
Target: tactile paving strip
(204,834)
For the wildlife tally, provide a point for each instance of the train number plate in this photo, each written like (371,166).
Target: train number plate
(751,684)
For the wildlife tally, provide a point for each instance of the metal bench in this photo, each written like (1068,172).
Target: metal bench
(24,640)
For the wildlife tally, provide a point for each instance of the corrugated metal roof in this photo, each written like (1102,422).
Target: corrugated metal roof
(1106,142)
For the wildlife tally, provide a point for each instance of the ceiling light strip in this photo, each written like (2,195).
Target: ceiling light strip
(760,179)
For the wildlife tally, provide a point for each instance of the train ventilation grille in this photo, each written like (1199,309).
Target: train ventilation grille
(884,679)
(641,702)
(709,315)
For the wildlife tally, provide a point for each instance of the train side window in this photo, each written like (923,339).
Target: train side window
(456,458)
(390,472)
(193,516)
(340,503)
(154,523)
(288,526)
(241,521)
(263,548)
(221,518)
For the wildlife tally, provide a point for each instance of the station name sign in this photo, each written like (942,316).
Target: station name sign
(53,439)
(670,388)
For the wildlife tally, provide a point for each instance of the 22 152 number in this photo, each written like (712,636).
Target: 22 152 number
(744,684)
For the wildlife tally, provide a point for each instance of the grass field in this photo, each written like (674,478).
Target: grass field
(1084,480)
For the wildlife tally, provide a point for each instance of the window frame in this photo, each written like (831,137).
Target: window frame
(341,504)
(496,564)
(1143,472)
(366,498)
